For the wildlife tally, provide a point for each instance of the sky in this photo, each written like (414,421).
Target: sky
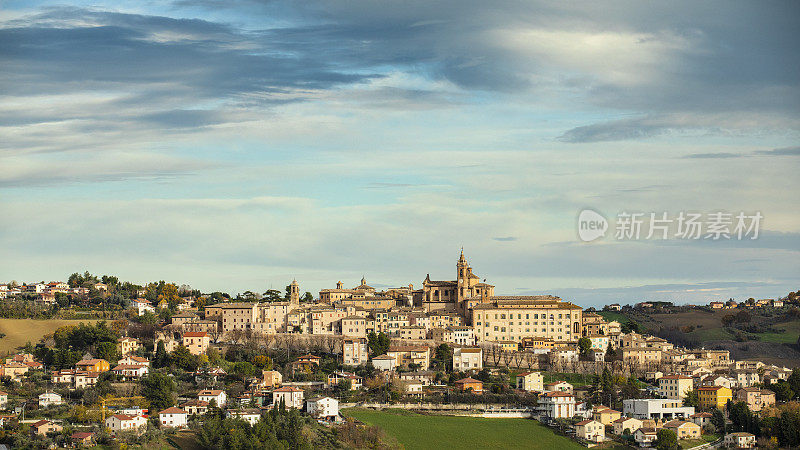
(235,145)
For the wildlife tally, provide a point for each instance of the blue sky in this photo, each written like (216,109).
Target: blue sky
(235,145)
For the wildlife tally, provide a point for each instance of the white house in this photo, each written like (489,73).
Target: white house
(656,408)
(124,422)
(291,396)
(251,416)
(557,405)
(173,417)
(740,440)
(645,436)
(384,362)
(323,407)
(127,371)
(530,381)
(465,359)
(558,386)
(49,399)
(217,395)
(142,306)
(3,400)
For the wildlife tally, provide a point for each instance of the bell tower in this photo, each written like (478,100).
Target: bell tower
(294,293)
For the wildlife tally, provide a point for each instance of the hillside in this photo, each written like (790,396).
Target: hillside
(769,334)
(19,332)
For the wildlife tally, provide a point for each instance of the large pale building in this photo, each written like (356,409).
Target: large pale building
(514,318)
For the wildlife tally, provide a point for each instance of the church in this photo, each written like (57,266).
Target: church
(458,296)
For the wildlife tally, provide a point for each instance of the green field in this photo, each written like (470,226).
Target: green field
(417,431)
(19,332)
(613,315)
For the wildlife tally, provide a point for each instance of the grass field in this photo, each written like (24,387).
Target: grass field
(789,336)
(613,315)
(417,431)
(19,332)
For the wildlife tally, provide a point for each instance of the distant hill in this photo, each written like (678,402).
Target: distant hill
(768,334)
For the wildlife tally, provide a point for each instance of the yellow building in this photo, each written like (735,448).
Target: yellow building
(714,396)
(93,365)
(514,318)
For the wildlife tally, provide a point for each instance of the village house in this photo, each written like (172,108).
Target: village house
(195,407)
(590,430)
(291,396)
(384,362)
(701,419)
(684,430)
(44,427)
(354,352)
(645,437)
(217,396)
(740,440)
(756,398)
(405,355)
(557,405)
(130,371)
(605,415)
(626,423)
(196,341)
(558,386)
(173,417)
(530,381)
(249,415)
(125,422)
(82,438)
(323,408)
(127,345)
(48,399)
(271,378)
(470,384)
(466,359)
(93,365)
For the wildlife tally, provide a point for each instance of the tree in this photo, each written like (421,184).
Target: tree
(159,390)
(718,420)
(161,358)
(107,351)
(181,357)
(444,357)
(272,295)
(691,399)
(666,439)
(584,345)
(308,297)
(378,344)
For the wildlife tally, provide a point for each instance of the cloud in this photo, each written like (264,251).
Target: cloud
(505,239)
(786,151)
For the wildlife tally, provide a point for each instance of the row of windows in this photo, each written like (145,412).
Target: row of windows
(527,316)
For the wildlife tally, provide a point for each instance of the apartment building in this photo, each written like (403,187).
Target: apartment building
(515,318)
(713,396)
(354,352)
(675,386)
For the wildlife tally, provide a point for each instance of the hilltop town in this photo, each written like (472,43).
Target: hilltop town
(163,362)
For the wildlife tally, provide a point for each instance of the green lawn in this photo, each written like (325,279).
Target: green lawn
(417,431)
(789,336)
